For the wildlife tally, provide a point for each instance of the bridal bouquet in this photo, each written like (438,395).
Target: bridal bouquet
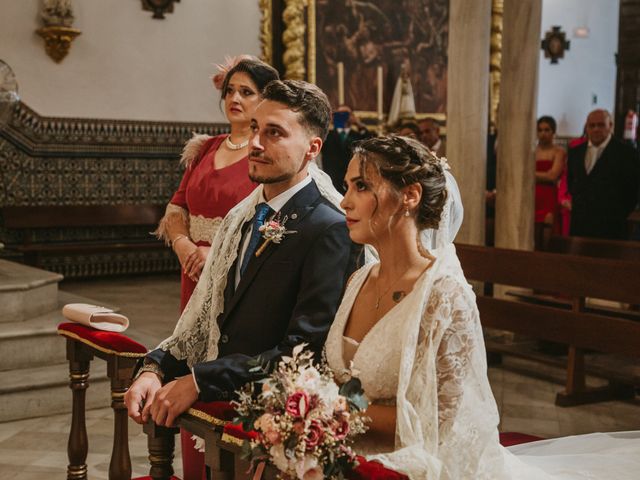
(303,420)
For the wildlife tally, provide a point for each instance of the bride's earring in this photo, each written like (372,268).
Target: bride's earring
(406,212)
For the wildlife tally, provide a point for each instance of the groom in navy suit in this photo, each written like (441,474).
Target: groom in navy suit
(289,292)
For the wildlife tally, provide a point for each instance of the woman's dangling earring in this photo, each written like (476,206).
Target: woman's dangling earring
(406,212)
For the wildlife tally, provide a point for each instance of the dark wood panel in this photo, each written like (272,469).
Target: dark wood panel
(81,215)
(590,247)
(583,330)
(560,273)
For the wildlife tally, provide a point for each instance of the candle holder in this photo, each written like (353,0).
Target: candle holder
(380,128)
(57,40)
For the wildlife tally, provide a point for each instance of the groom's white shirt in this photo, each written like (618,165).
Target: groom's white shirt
(276,204)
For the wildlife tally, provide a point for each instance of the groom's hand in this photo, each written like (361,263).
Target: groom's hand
(139,396)
(173,399)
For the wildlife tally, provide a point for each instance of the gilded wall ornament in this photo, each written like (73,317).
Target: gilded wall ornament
(266,31)
(495,60)
(57,17)
(158,7)
(57,41)
(293,39)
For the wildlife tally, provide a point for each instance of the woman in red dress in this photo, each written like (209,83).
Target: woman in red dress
(216,178)
(550,163)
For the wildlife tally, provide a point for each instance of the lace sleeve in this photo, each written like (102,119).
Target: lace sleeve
(455,332)
(466,411)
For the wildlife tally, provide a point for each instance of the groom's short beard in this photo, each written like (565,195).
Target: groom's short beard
(267,180)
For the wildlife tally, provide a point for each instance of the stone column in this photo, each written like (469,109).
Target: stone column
(515,182)
(468,109)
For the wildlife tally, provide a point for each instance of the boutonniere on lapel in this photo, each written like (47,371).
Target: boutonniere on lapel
(273,231)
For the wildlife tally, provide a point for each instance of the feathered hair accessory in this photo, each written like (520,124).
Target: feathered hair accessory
(223,68)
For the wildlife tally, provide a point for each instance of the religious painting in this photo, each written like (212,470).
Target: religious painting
(353,38)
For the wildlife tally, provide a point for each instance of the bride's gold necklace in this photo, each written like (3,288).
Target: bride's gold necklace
(396,296)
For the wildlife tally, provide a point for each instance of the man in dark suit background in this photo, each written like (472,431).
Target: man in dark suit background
(276,297)
(603,177)
(337,149)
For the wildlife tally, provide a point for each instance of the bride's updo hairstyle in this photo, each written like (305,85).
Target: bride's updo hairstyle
(403,161)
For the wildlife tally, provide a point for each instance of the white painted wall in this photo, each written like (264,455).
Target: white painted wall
(126,65)
(588,69)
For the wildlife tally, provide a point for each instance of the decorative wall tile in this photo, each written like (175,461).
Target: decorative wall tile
(66,161)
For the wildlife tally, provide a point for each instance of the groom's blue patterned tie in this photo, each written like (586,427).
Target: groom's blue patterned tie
(262,210)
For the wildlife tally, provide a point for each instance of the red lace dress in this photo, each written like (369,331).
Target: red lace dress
(546,195)
(207,194)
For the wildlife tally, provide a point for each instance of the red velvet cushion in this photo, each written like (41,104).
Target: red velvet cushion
(514,438)
(108,342)
(236,431)
(216,413)
(148,477)
(373,471)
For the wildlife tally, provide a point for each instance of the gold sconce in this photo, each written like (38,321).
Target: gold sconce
(57,41)
(57,16)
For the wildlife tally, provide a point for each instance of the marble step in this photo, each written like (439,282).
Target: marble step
(26,292)
(40,391)
(35,342)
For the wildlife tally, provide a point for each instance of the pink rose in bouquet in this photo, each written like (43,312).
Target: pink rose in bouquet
(297,404)
(341,428)
(315,433)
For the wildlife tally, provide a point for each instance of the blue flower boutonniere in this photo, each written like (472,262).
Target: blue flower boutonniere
(273,231)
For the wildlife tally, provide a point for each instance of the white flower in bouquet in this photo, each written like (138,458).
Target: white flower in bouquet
(280,459)
(309,379)
(308,468)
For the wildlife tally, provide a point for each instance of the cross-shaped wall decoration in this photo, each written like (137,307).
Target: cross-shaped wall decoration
(554,44)
(159,7)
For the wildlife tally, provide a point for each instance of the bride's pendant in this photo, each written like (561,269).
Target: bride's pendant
(398,295)
(235,146)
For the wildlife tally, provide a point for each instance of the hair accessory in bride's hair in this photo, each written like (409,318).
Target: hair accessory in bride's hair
(444,163)
(223,68)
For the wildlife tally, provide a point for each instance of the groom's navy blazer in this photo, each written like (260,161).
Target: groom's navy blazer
(286,296)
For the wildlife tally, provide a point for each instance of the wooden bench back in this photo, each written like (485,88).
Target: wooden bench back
(593,247)
(22,217)
(578,277)
(572,275)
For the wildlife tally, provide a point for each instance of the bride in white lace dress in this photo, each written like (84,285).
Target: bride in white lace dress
(409,328)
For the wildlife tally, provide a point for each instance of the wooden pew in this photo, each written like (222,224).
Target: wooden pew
(595,247)
(576,277)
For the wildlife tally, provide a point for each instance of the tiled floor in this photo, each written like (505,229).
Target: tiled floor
(36,448)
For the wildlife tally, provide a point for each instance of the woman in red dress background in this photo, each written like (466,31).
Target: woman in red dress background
(550,163)
(216,178)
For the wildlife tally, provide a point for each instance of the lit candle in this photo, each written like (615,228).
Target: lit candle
(340,83)
(380,111)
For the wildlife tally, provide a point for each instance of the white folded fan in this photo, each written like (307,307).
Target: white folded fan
(94,316)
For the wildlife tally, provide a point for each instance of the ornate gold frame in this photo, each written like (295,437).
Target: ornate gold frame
(293,37)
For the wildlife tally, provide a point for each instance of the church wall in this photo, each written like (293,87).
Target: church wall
(126,65)
(585,78)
